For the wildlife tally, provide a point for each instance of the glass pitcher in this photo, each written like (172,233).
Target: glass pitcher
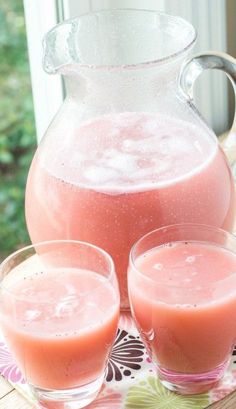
(127,152)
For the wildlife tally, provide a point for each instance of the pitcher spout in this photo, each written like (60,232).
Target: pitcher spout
(59,48)
(116,39)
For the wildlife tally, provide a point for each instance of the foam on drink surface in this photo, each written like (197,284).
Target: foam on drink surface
(57,302)
(129,151)
(190,272)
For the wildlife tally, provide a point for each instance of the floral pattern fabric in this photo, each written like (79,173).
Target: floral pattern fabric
(126,357)
(151,394)
(8,367)
(131,382)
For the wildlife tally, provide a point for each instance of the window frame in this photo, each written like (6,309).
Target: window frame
(47,90)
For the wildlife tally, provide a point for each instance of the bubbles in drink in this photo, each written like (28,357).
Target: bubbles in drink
(158,266)
(190,259)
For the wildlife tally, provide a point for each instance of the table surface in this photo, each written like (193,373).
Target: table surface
(10,398)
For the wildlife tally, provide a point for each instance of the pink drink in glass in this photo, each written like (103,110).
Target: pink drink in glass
(120,176)
(54,341)
(60,319)
(183,297)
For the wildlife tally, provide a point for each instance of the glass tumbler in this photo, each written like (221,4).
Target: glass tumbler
(59,310)
(182,289)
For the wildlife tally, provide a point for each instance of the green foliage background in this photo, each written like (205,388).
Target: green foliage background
(17,130)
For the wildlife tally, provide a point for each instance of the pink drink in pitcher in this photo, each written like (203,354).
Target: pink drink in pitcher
(120,176)
(61,325)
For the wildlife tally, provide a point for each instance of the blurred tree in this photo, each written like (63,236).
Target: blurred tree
(17,130)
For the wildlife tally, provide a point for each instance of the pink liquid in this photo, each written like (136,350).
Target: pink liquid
(62,327)
(185,305)
(120,176)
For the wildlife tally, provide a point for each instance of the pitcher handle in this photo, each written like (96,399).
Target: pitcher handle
(191,71)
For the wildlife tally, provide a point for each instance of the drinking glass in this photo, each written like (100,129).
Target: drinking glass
(59,310)
(182,289)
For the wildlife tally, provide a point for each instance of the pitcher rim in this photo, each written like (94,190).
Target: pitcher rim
(131,66)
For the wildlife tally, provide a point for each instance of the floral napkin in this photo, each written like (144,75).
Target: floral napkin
(130,382)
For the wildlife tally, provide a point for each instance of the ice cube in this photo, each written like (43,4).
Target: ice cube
(66,306)
(32,315)
(100,175)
